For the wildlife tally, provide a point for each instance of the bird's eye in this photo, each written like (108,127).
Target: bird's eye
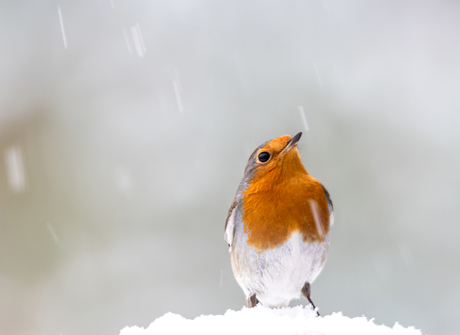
(264,156)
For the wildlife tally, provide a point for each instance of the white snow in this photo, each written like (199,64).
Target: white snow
(262,320)
(138,40)
(53,233)
(303,117)
(178,98)
(15,169)
(62,27)
(178,90)
(128,44)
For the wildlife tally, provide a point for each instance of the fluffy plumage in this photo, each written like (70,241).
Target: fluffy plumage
(278,225)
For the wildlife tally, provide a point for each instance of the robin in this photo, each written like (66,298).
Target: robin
(277,228)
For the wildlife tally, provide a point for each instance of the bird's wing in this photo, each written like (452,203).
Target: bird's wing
(330,206)
(230,224)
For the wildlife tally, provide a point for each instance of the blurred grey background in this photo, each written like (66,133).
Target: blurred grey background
(125,127)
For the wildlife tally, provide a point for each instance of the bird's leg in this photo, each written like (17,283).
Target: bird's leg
(306,290)
(252,301)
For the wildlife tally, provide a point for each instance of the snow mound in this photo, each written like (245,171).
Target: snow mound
(262,320)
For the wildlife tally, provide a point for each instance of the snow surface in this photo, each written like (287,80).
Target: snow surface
(262,320)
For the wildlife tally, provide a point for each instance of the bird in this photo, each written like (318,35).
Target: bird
(277,227)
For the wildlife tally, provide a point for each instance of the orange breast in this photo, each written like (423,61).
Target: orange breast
(280,204)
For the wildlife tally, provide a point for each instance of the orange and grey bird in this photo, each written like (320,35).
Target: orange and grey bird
(277,228)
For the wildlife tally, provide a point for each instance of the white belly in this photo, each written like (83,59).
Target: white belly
(277,275)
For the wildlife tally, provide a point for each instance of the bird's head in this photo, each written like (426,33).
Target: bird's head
(275,157)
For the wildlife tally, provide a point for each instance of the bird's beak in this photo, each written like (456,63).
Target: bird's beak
(292,142)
